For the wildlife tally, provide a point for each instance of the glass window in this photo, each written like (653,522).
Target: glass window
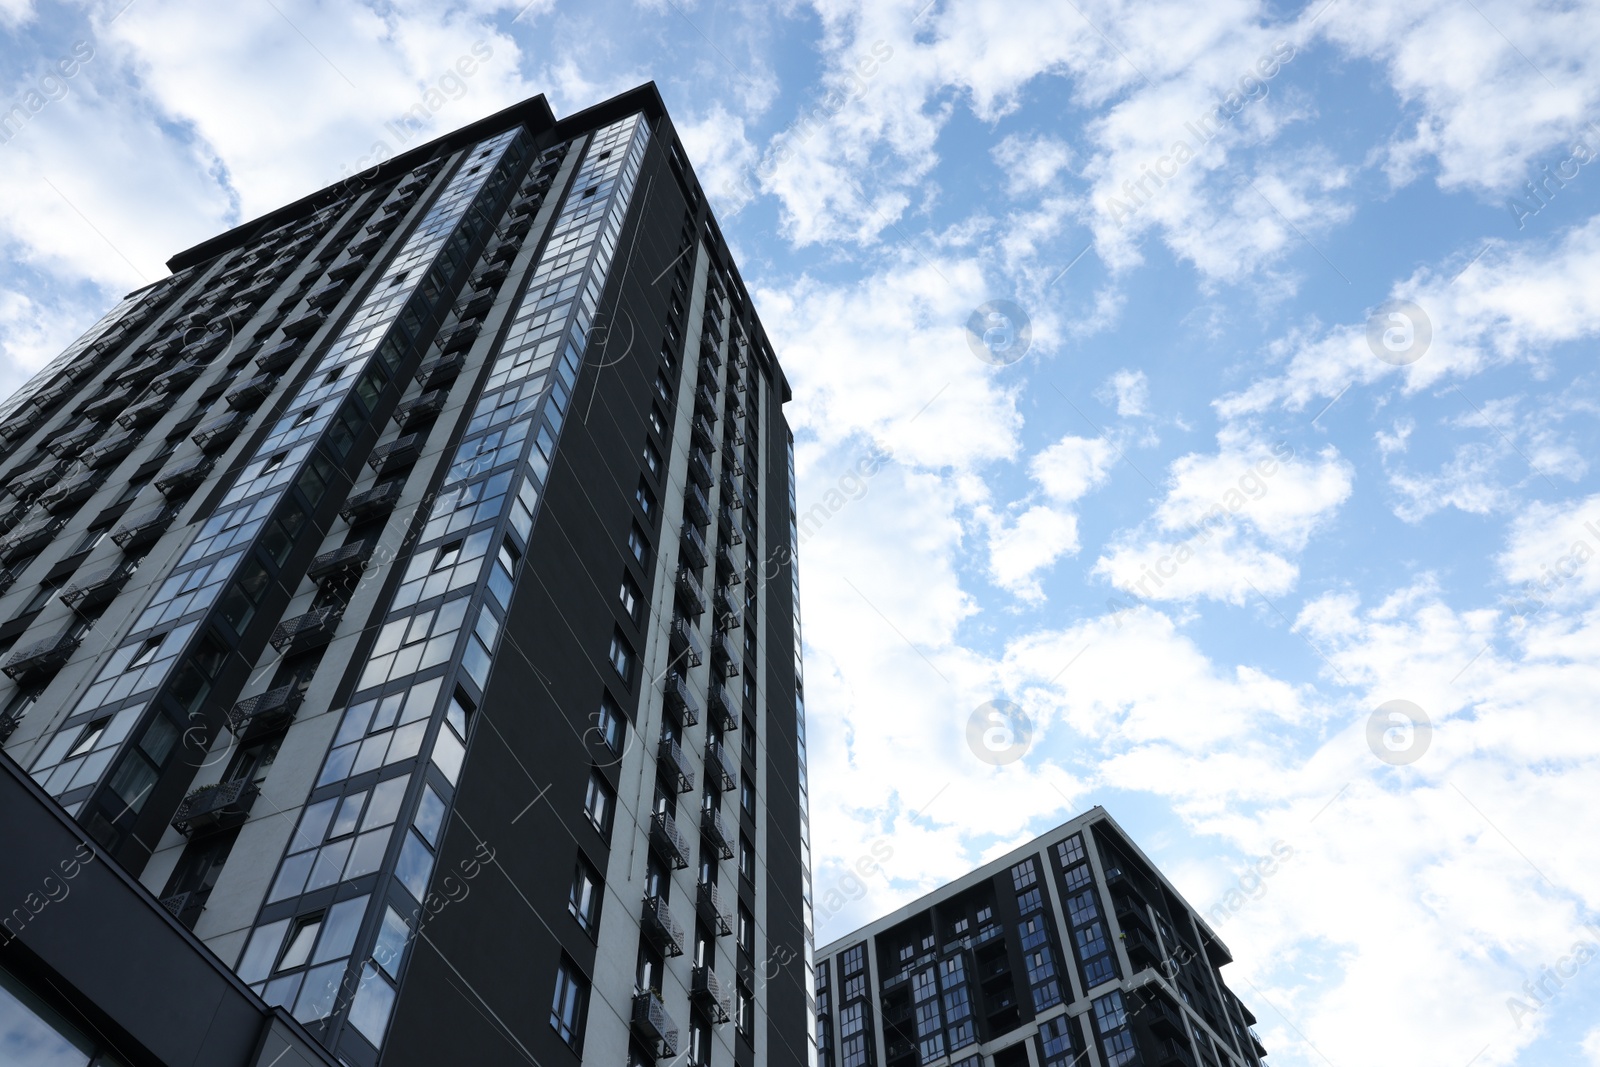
(32,1033)
(583,903)
(1071,850)
(300,942)
(567,1008)
(621,657)
(597,803)
(630,598)
(608,725)
(638,544)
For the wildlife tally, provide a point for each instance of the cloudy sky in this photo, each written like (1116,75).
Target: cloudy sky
(1227,381)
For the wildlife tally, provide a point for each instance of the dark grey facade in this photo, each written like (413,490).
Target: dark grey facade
(403,591)
(1071,951)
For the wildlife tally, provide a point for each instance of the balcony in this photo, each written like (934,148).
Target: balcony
(696,508)
(491,276)
(204,349)
(1143,951)
(708,905)
(340,562)
(701,432)
(348,267)
(97,587)
(707,991)
(37,479)
(365,247)
(178,378)
(180,478)
(278,357)
(693,547)
(727,570)
(691,594)
(460,338)
(1155,1009)
(724,712)
(305,324)
(680,701)
(146,411)
(672,763)
(311,630)
(705,403)
(396,455)
(700,468)
(186,907)
(476,308)
(217,434)
(1168,1052)
(1260,1049)
(66,446)
(518,228)
(729,612)
(653,1025)
(138,375)
(413,413)
(721,772)
(109,450)
(441,370)
(28,419)
(103,407)
(382,225)
(660,928)
(215,807)
(29,539)
(143,528)
(42,657)
(249,396)
(370,503)
(728,531)
(668,840)
(263,712)
(684,644)
(68,494)
(713,829)
(325,296)
(725,654)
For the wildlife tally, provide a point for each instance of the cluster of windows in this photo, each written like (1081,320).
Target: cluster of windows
(136,667)
(1038,948)
(414,643)
(340,838)
(182,593)
(78,756)
(1097,959)
(1111,1022)
(1056,1044)
(376,733)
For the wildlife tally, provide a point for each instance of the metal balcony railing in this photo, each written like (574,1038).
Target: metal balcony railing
(700,468)
(101,407)
(659,926)
(460,338)
(684,643)
(653,1025)
(66,446)
(97,587)
(26,540)
(207,347)
(36,479)
(413,413)
(724,712)
(215,435)
(278,357)
(691,594)
(725,654)
(440,370)
(721,772)
(109,450)
(370,503)
(42,657)
(265,711)
(673,765)
(325,296)
(71,492)
(679,700)
(182,477)
(147,411)
(215,807)
(728,609)
(708,904)
(249,395)
(310,630)
(668,840)
(340,562)
(707,991)
(186,907)
(696,508)
(693,547)
(176,379)
(143,527)
(396,455)
(305,324)
(714,830)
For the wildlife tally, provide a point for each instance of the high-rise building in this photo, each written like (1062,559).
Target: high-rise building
(1071,951)
(403,592)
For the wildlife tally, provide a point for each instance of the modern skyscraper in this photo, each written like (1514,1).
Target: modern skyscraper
(1071,951)
(403,591)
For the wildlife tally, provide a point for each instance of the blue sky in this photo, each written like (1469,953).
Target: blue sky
(1382,549)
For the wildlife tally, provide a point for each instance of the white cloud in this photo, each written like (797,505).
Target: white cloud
(1130,389)
(1031,164)
(1020,549)
(1550,555)
(1073,466)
